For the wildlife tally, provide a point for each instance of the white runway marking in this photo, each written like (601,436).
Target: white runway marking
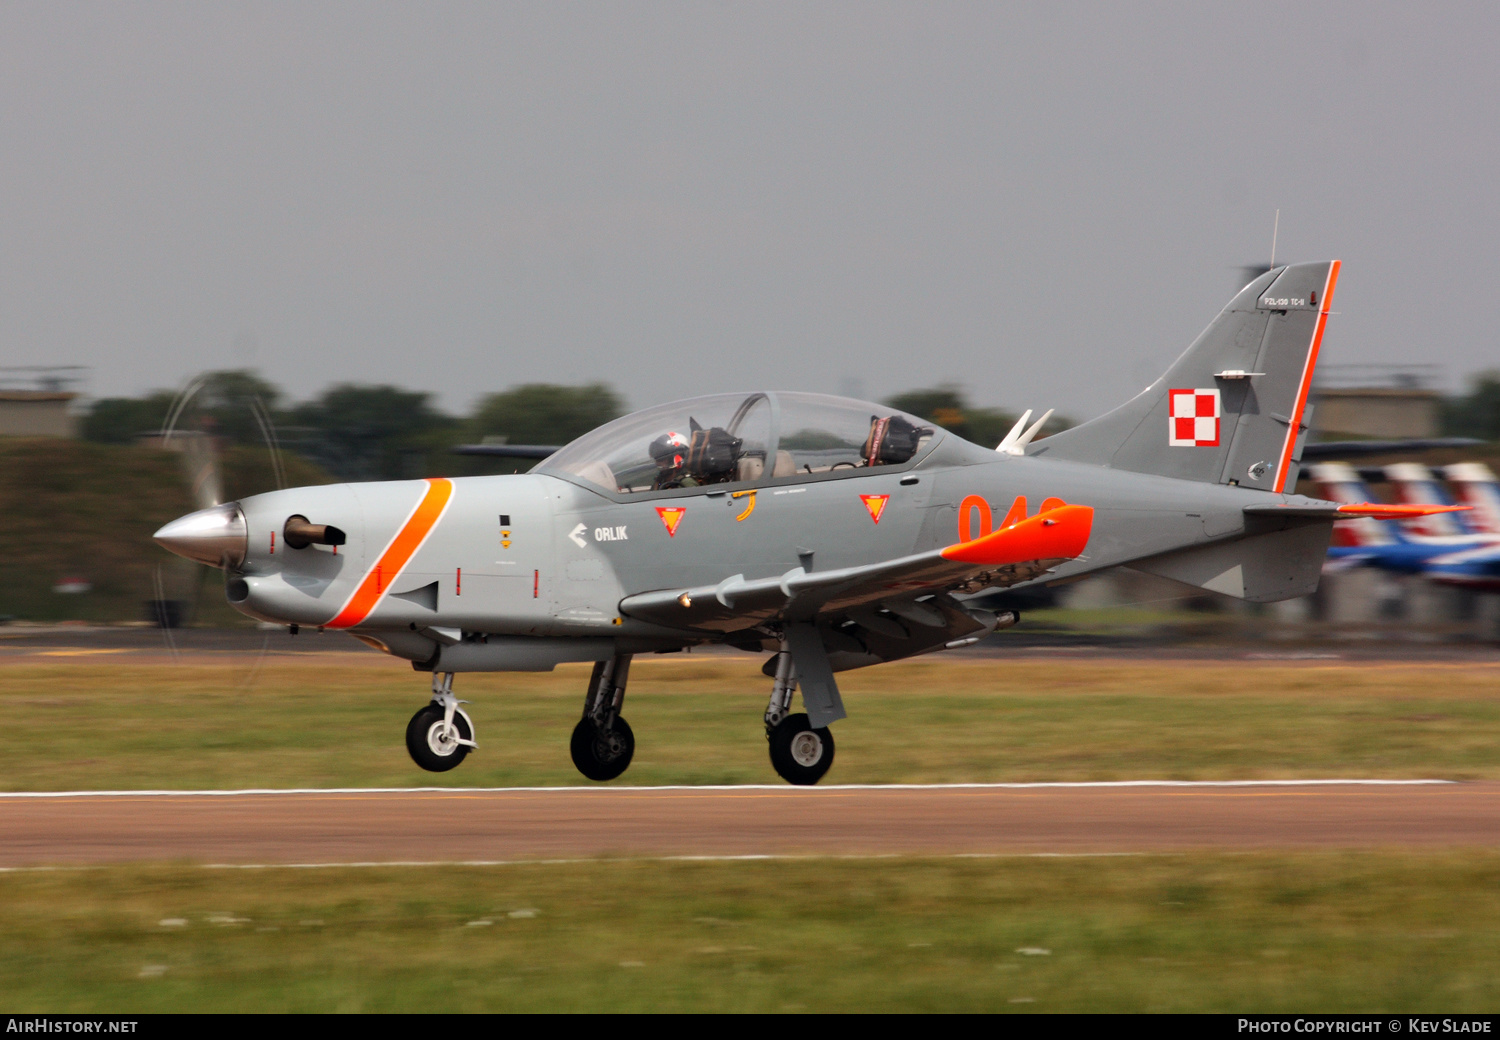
(737,858)
(261,791)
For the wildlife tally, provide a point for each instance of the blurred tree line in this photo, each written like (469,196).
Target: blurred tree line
(1477,413)
(361,432)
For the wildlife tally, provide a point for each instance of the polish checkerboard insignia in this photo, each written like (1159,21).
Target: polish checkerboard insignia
(1193,419)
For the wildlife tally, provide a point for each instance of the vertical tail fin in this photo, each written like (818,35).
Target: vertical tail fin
(1233,408)
(1415,485)
(1475,485)
(1338,482)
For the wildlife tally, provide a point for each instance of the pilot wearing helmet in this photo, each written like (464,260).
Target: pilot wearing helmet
(709,455)
(892,440)
(670,453)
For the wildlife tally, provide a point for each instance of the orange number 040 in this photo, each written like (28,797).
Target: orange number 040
(1017,513)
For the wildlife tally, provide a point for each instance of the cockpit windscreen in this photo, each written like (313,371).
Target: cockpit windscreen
(737,439)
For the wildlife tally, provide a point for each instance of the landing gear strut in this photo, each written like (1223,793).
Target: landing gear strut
(800,752)
(440,735)
(603,744)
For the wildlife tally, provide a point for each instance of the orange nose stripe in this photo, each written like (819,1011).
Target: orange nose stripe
(397,555)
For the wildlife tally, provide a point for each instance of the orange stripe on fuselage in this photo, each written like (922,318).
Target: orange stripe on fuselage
(397,555)
(1307,374)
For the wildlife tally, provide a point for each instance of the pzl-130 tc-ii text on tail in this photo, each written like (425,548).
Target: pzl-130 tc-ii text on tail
(829,533)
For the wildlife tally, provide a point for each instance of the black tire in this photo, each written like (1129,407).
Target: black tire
(602,755)
(426,752)
(801,754)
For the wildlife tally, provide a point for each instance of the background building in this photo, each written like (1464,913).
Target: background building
(38,401)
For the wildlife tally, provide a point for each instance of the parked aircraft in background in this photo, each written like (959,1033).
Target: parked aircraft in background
(1477,488)
(1432,544)
(827,533)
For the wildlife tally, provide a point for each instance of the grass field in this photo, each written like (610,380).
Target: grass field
(1369,931)
(89,722)
(1326,932)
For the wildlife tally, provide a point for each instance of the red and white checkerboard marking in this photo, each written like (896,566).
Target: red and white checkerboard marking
(1193,419)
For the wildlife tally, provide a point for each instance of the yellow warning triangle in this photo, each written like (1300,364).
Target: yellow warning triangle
(875,504)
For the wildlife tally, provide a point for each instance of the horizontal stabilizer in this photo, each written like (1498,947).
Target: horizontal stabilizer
(1339,482)
(1350,449)
(1335,511)
(1385,511)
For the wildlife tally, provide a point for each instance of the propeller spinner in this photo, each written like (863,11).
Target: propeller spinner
(217,536)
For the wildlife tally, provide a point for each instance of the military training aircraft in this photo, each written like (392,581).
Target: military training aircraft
(829,533)
(1475,485)
(1434,545)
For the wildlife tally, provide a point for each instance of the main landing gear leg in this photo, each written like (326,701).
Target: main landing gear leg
(603,744)
(800,753)
(441,735)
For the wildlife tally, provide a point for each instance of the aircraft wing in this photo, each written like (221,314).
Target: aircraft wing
(1016,553)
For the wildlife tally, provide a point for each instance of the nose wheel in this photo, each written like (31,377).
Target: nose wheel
(440,736)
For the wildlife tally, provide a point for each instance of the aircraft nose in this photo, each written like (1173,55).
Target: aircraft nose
(217,536)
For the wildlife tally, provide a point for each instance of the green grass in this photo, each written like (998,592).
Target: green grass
(1369,931)
(1304,932)
(93,722)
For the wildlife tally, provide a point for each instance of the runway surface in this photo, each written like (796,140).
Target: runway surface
(498,825)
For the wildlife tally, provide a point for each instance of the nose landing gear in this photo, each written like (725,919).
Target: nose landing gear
(602,744)
(440,736)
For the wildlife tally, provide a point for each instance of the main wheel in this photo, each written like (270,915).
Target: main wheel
(602,754)
(430,745)
(800,753)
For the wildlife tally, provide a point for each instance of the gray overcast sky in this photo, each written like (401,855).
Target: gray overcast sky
(1043,203)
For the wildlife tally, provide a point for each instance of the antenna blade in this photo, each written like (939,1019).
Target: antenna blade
(1035,427)
(1005,446)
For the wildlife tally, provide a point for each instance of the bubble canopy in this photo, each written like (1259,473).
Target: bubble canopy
(743,439)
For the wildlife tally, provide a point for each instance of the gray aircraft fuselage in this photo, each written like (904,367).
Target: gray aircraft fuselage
(570,554)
